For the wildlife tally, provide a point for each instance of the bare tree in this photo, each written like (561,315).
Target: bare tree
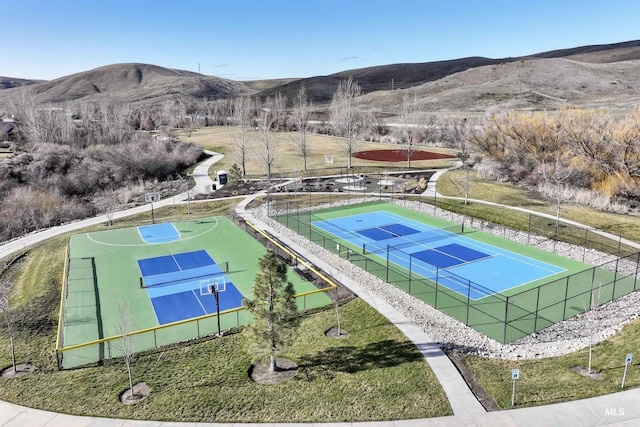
(302,108)
(108,202)
(593,323)
(555,175)
(127,342)
(464,157)
(346,118)
(267,149)
(409,116)
(168,116)
(39,123)
(244,110)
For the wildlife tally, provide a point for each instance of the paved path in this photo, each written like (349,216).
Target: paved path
(619,409)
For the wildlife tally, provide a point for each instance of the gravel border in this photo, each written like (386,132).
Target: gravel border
(567,336)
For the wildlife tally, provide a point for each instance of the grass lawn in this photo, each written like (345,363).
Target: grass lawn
(374,374)
(289,162)
(553,380)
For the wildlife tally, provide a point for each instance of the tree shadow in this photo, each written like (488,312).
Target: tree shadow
(350,359)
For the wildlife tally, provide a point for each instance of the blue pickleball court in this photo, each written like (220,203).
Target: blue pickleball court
(177,286)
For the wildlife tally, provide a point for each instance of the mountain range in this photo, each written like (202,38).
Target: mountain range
(596,76)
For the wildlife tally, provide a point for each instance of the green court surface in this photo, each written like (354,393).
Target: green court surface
(506,315)
(104,275)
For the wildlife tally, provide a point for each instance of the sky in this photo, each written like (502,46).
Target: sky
(265,39)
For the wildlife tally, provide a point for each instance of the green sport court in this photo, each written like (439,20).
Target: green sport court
(165,275)
(501,288)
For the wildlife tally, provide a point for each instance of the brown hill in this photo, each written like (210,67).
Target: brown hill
(134,83)
(10,82)
(599,76)
(533,84)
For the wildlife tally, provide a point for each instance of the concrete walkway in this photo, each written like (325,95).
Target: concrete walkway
(619,409)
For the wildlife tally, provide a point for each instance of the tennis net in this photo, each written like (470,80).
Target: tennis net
(175,278)
(400,242)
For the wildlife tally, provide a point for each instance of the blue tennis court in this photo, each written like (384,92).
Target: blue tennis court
(178,286)
(471,268)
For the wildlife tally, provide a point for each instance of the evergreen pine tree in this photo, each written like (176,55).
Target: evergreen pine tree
(274,309)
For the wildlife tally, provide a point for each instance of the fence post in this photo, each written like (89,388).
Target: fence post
(529,231)
(535,319)
(619,249)
(387,264)
(566,294)
(635,281)
(410,267)
(468,301)
(615,278)
(506,316)
(435,302)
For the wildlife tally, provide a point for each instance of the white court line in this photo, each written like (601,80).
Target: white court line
(204,310)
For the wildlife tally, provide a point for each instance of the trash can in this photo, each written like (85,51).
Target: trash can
(222,177)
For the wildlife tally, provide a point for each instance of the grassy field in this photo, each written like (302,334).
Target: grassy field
(553,380)
(374,374)
(289,162)
(451,185)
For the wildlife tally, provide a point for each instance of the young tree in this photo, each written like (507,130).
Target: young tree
(274,309)
(267,150)
(346,119)
(592,321)
(108,202)
(301,114)
(410,117)
(464,155)
(555,174)
(244,110)
(127,343)
(235,175)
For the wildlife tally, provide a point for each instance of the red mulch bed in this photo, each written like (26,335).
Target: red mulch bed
(400,155)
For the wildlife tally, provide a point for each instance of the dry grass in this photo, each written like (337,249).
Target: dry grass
(289,161)
(452,184)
